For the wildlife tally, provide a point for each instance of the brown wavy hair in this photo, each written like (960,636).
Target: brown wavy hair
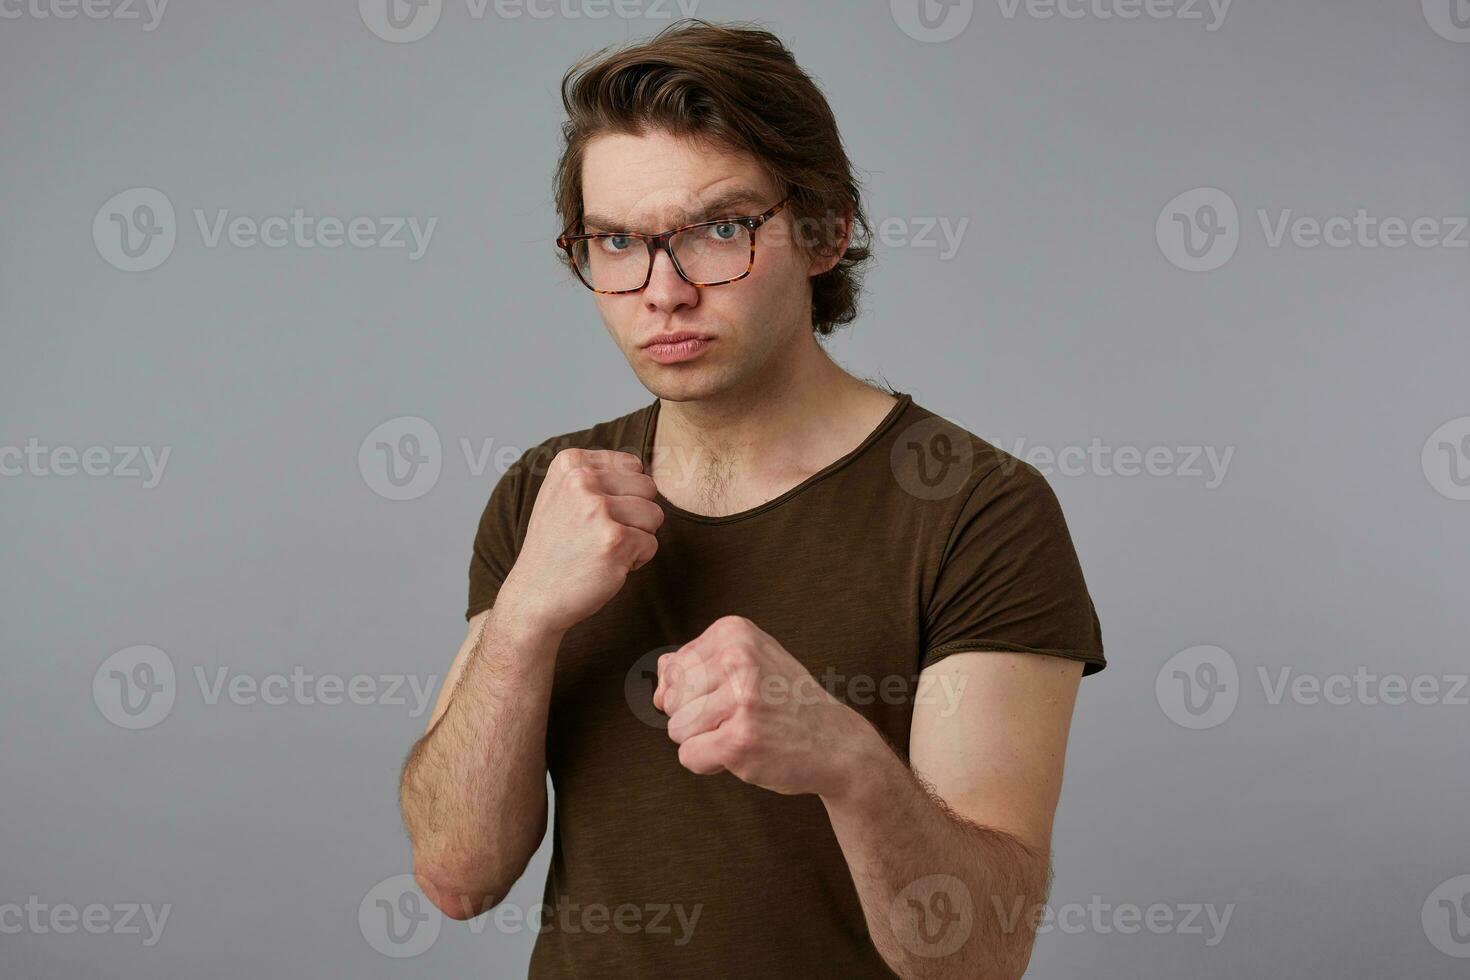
(738,87)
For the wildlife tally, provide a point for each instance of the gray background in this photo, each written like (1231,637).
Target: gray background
(264,548)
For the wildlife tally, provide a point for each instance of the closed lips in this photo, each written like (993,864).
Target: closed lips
(676,338)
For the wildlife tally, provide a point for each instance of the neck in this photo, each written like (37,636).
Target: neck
(749,444)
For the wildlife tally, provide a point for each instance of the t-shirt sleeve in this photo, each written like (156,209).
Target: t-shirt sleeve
(498,538)
(1009,579)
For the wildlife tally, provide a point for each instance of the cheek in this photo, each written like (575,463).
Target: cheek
(617,313)
(779,278)
(777,259)
(776,275)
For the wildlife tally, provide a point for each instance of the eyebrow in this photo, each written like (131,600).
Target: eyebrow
(717,207)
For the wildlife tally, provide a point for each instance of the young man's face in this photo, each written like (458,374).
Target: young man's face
(656,182)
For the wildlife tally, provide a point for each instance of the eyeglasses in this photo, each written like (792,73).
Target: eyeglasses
(709,253)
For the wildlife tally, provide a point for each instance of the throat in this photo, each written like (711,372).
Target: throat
(719,484)
(714,488)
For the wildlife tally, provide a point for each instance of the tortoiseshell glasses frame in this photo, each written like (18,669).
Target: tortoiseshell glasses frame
(661,242)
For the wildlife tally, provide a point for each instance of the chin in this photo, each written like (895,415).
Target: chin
(688,386)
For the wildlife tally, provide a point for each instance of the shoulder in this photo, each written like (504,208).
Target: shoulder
(940,456)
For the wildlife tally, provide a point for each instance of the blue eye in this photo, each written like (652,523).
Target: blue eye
(616,244)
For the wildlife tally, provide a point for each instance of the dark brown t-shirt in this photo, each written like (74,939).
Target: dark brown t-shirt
(923,541)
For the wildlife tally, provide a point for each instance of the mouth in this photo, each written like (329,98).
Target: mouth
(675,347)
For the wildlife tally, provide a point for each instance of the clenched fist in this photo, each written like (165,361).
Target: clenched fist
(593,522)
(738,702)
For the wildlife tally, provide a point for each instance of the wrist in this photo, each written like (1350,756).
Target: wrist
(519,621)
(860,769)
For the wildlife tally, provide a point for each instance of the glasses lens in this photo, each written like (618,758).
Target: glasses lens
(612,263)
(707,255)
(713,253)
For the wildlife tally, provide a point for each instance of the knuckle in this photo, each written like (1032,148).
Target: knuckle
(743,739)
(733,624)
(613,538)
(686,756)
(738,655)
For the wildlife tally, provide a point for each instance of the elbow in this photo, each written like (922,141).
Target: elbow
(465,882)
(1015,972)
(458,896)
(1015,959)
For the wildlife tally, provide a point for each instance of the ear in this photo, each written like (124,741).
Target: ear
(826,262)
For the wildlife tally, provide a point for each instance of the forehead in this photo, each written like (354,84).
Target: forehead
(657,180)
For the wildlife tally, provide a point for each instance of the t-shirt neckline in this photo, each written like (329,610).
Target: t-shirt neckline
(646,450)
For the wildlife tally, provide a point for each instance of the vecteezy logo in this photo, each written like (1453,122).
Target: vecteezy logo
(932,458)
(1446,917)
(1446,459)
(932,21)
(1449,18)
(400,21)
(1199,687)
(396,919)
(1199,230)
(135,688)
(933,916)
(640,683)
(135,230)
(402,458)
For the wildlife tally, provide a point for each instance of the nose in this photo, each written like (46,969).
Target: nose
(667,291)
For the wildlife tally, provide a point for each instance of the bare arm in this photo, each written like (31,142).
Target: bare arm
(952,858)
(474,786)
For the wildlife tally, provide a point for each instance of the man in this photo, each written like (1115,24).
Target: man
(799,655)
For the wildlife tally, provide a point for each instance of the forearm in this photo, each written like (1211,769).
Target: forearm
(474,787)
(977,920)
